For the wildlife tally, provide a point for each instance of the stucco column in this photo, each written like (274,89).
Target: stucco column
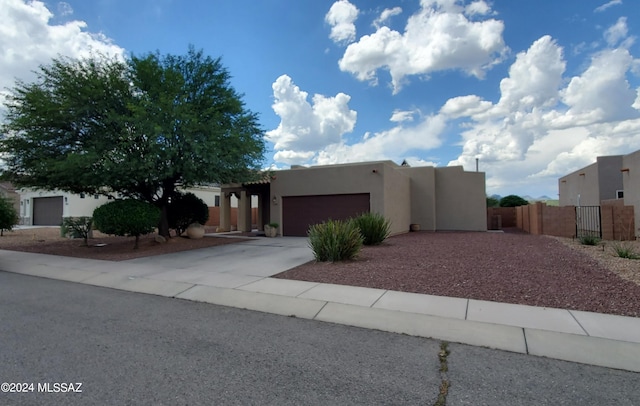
(244,212)
(225,211)
(260,217)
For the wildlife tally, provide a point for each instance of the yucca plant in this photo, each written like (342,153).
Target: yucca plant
(373,227)
(624,250)
(589,239)
(335,240)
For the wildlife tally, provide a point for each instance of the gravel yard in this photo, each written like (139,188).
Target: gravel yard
(509,267)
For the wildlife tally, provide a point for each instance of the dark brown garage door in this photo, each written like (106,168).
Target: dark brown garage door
(47,211)
(299,212)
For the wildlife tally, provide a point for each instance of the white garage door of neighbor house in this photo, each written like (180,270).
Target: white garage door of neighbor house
(47,211)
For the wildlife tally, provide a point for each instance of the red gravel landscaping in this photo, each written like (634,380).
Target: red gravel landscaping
(506,267)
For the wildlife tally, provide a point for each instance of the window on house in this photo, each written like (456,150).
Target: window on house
(619,194)
(81,195)
(217,201)
(96,197)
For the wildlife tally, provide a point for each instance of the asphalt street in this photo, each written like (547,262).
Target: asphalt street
(129,348)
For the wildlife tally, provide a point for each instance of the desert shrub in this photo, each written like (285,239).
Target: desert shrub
(373,227)
(8,215)
(186,209)
(126,218)
(77,227)
(589,239)
(335,240)
(624,250)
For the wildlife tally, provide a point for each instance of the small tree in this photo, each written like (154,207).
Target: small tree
(492,202)
(513,201)
(8,215)
(78,226)
(126,218)
(186,209)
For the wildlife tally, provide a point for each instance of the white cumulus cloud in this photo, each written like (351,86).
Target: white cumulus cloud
(545,124)
(306,127)
(341,18)
(386,14)
(438,37)
(28,40)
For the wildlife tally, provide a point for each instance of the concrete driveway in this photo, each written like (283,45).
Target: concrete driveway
(226,266)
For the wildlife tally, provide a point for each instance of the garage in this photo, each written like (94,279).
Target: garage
(47,211)
(300,212)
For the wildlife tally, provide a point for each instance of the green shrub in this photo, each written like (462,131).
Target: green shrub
(78,227)
(373,227)
(589,240)
(126,218)
(335,240)
(8,215)
(186,209)
(624,250)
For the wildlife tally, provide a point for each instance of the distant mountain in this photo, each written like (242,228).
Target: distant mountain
(536,199)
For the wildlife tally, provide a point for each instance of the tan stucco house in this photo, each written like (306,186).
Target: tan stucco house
(610,178)
(447,198)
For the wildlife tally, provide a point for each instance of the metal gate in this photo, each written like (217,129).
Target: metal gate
(588,222)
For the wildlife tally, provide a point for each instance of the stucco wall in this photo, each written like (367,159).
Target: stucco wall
(631,185)
(580,188)
(609,177)
(423,199)
(397,199)
(389,189)
(460,199)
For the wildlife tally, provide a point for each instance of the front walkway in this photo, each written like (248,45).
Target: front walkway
(237,275)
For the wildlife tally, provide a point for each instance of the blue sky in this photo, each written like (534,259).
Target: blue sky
(533,89)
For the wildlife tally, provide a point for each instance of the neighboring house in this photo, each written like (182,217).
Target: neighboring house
(432,198)
(47,208)
(592,184)
(610,178)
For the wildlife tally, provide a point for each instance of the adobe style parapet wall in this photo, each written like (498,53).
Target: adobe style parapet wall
(446,198)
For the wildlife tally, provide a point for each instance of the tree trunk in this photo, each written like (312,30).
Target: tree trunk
(135,245)
(163,227)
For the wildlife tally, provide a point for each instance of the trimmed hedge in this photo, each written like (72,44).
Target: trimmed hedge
(126,218)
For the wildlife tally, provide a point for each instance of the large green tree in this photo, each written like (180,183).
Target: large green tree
(513,201)
(141,127)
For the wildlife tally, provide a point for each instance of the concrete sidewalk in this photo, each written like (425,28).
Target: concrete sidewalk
(238,275)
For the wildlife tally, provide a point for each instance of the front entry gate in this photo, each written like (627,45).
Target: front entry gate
(588,221)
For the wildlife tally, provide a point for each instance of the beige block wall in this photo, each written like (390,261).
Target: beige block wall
(423,199)
(631,184)
(460,199)
(580,188)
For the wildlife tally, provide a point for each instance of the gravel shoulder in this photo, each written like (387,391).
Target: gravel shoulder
(508,267)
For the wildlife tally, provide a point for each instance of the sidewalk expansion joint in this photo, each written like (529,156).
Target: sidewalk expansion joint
(583,329)
(181,292)
(318,312)
(526,345)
